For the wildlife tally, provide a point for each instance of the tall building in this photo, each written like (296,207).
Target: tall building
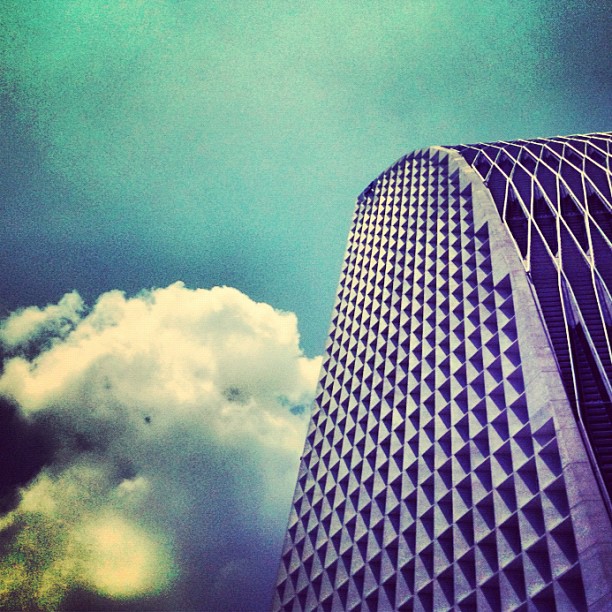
(459,454)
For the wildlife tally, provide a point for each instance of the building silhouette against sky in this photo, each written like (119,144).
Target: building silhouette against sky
(460,450)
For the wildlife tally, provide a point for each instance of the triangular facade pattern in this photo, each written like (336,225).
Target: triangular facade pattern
(554,195)
(431,478)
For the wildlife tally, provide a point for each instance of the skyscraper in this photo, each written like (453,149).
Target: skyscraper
(460,449)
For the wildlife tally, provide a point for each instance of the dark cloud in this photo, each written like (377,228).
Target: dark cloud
(25,448)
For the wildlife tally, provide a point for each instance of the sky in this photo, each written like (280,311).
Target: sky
(177,180)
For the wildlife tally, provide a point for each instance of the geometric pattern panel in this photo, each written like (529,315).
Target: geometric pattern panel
(555,197)
(423,485)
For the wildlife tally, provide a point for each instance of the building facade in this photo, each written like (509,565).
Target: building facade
(459,454)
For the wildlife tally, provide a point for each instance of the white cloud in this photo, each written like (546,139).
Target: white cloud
(176,443)
(28,324)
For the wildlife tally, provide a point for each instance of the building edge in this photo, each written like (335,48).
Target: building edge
(589,513)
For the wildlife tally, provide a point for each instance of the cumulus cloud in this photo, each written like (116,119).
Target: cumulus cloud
(172,426)
(28,325)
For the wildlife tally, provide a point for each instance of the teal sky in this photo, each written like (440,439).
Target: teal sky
(225,142)
(147,142)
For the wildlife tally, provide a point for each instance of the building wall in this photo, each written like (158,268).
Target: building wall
(443,467)
(550,409)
